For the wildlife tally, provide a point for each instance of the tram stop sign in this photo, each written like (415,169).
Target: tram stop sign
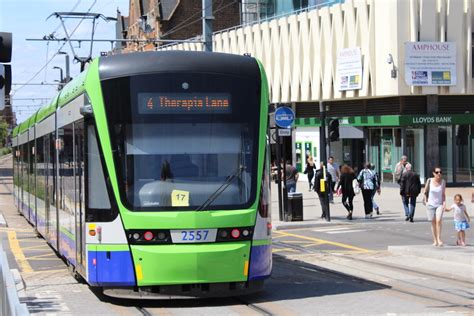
(284,117)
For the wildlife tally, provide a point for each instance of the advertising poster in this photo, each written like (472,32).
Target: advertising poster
(387,154)
(349,69)
(430,63)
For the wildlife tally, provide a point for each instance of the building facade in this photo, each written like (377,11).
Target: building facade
(154,20)
(410,90)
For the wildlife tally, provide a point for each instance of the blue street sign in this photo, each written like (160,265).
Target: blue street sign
(284,117)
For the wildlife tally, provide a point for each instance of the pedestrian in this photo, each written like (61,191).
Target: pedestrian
(410,187)
(347,189)
(291,175)
(399,171)
(400,168)
(435,200)
(461,219)
(309,170)
(333,170)
(374,204)
(322,192)
(368,184)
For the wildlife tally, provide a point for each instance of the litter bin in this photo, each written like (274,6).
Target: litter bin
(295,207)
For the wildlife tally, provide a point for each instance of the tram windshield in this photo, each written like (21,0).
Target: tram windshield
(177,155)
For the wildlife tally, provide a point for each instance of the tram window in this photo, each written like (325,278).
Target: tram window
(98,196)
(40,173)
(24,167)
(66,168)
(31,170)
(79,170)
(49,146)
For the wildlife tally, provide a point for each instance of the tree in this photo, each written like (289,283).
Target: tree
(3,132)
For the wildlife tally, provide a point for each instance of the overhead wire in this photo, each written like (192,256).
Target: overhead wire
(55,54)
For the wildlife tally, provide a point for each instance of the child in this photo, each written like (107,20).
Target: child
(461,219)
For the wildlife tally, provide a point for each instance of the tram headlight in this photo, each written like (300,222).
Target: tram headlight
(245,232)
(161,235)
(136,236)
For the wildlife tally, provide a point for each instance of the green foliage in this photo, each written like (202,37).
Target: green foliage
(5,151)
(3,131)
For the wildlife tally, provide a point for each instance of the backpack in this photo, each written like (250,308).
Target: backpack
(399,172)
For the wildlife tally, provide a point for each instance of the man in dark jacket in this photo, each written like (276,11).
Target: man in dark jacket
(410,187)
(322,194)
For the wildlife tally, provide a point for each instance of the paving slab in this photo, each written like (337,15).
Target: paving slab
(464,255)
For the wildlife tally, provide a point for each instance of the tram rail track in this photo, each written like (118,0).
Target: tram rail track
(459,297)
(160,310)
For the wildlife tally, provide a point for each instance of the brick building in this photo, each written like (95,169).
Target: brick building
(171,20)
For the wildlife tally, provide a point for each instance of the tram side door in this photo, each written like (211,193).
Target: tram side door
(79,178)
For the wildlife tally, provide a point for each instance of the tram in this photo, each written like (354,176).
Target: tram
(149,174)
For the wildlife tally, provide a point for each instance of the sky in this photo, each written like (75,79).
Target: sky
(29,19)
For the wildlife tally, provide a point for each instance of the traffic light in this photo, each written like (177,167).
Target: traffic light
(333,128)
(5,70)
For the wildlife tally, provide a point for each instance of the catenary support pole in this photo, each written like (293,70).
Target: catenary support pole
(324,159)
(279,170)
(207,19)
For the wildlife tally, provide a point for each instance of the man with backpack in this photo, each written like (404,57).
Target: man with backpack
(399,171)
(410,187)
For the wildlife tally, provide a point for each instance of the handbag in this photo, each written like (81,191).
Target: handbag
(355,186)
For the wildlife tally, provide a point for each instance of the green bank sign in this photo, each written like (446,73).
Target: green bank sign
(453,119)
(395,120)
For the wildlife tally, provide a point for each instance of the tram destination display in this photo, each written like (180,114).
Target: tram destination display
(184,103)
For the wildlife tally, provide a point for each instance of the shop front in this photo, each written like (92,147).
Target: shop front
(382,140)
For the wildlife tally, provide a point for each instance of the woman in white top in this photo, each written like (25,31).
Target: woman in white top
(435,201)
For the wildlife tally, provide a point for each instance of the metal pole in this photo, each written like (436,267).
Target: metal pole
(285,190)
(280,197)
(207,19)
(322,145)
(68,77)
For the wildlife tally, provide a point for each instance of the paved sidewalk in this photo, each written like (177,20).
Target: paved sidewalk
(391,210)
(389,202)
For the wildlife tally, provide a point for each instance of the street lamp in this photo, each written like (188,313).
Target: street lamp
(61,81)
(68,77)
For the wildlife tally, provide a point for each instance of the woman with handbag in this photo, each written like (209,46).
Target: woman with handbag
(368,183)
(435,201)
(346,185)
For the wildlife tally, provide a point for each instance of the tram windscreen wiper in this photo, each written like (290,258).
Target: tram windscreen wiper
(222,188)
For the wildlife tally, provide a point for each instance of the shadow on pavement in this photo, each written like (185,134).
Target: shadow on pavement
(290,280)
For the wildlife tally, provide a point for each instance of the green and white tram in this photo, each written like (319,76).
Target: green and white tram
(148,174)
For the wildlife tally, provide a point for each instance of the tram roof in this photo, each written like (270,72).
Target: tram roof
(123,65)
(69,92)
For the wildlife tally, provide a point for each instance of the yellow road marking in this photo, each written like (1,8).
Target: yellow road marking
(43,256)
(18,253)
(283,249)
(38,247)
(49,271)
(312,244)
(322,241)
(6,229)
(297,242)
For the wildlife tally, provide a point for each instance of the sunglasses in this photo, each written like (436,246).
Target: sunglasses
(438,172)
